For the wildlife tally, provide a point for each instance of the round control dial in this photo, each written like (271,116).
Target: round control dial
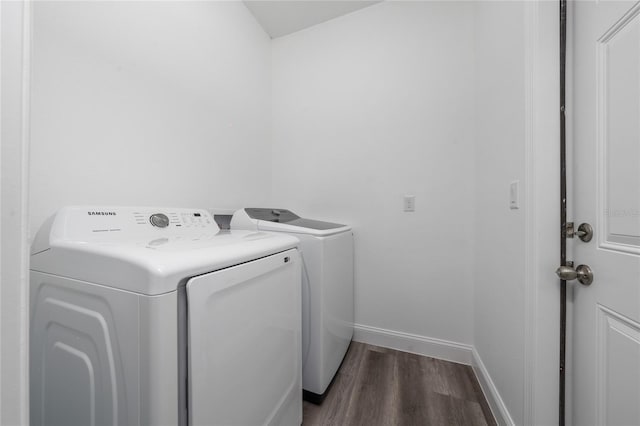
(160,220)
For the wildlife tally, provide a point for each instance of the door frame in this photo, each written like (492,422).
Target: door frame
(15,39)
(542,155)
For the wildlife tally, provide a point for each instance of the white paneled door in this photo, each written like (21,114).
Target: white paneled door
(606,322)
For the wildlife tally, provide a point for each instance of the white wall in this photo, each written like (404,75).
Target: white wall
(149,103)
(516,251)
(369,107)
(499,238)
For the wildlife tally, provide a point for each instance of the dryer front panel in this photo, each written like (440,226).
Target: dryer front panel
(81,337)
(244,356)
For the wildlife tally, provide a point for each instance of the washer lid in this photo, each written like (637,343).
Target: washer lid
(283,220)
(136,249)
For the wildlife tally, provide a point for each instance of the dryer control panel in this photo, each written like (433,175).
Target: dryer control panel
(111,224)
(173,218)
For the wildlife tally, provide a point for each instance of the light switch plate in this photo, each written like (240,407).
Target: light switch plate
(409,203)
(514,195)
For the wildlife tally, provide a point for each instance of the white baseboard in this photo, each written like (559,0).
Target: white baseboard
(413,343)
(498,407)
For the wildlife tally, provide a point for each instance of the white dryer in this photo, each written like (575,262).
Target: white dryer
(152,316)
(327,290)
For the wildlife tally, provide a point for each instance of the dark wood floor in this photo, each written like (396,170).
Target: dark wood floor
(379,386)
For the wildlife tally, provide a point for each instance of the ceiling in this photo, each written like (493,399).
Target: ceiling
(282,17)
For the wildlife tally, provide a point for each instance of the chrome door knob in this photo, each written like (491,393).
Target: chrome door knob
(582,273)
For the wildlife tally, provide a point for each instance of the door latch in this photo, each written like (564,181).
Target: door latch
(584,232)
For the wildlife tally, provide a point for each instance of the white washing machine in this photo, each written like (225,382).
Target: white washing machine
(327,290)
(152,316)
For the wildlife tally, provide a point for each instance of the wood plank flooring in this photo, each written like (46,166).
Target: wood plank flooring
(382,387)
